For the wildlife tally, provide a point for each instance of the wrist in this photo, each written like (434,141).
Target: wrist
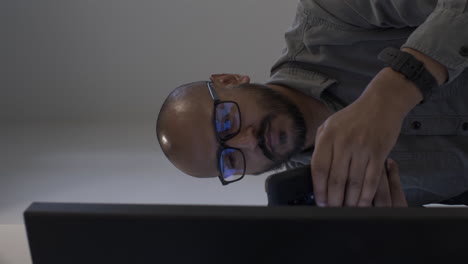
(390,90)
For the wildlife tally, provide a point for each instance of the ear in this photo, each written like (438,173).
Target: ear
(226,79)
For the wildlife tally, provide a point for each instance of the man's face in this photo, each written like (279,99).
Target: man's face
(271,130)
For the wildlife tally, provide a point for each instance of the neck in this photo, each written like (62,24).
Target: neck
(314,111)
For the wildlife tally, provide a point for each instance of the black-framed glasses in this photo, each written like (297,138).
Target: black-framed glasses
(227,123)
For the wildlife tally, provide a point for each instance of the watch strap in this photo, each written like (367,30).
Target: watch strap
(411,68)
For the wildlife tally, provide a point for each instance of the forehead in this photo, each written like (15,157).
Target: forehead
(189,135)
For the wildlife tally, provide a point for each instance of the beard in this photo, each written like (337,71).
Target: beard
(277,104)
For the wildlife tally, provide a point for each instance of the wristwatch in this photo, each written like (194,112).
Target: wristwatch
(411,68)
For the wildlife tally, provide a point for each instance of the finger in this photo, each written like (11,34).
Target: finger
(357,169)
(371,182)
(398,196)
(337,178)
(320,167)
(383,196)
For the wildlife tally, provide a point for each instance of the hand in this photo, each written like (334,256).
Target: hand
(389,192)
(352,144)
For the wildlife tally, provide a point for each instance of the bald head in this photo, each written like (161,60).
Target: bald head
(184,126)
(271,127)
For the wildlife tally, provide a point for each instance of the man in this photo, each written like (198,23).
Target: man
(332,102)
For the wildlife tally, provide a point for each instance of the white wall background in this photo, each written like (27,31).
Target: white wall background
(82,81)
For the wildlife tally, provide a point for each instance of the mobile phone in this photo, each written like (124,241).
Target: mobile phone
(290,188)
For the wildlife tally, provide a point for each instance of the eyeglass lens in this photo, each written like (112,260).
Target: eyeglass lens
(227,122)
(231,164)
(227,119)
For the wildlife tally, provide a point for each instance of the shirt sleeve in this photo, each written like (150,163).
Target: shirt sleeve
(441,27)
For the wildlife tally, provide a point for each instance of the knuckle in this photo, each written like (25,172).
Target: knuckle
(320,129)
(337,182)
(322,139)
(355,183)
(361,140)
(318,170)
(325,134)
(378,154)
(372,182)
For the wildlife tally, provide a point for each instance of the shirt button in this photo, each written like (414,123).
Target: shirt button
(464,51)
(416,125)
(465,126)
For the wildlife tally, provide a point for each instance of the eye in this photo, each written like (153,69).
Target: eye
(232,161)
(227,117)
(227,123)
(223,124)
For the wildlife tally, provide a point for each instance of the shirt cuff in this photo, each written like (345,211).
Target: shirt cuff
(444,36)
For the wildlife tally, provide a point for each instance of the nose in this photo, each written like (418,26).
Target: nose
(246,139)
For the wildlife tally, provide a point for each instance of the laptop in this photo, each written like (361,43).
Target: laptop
(68,233)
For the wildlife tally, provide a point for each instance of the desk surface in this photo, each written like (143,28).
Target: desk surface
(14,247)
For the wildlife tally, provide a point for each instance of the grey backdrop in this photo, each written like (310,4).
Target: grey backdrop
(82,81)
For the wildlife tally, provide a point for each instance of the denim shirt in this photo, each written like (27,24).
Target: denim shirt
(331,54)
